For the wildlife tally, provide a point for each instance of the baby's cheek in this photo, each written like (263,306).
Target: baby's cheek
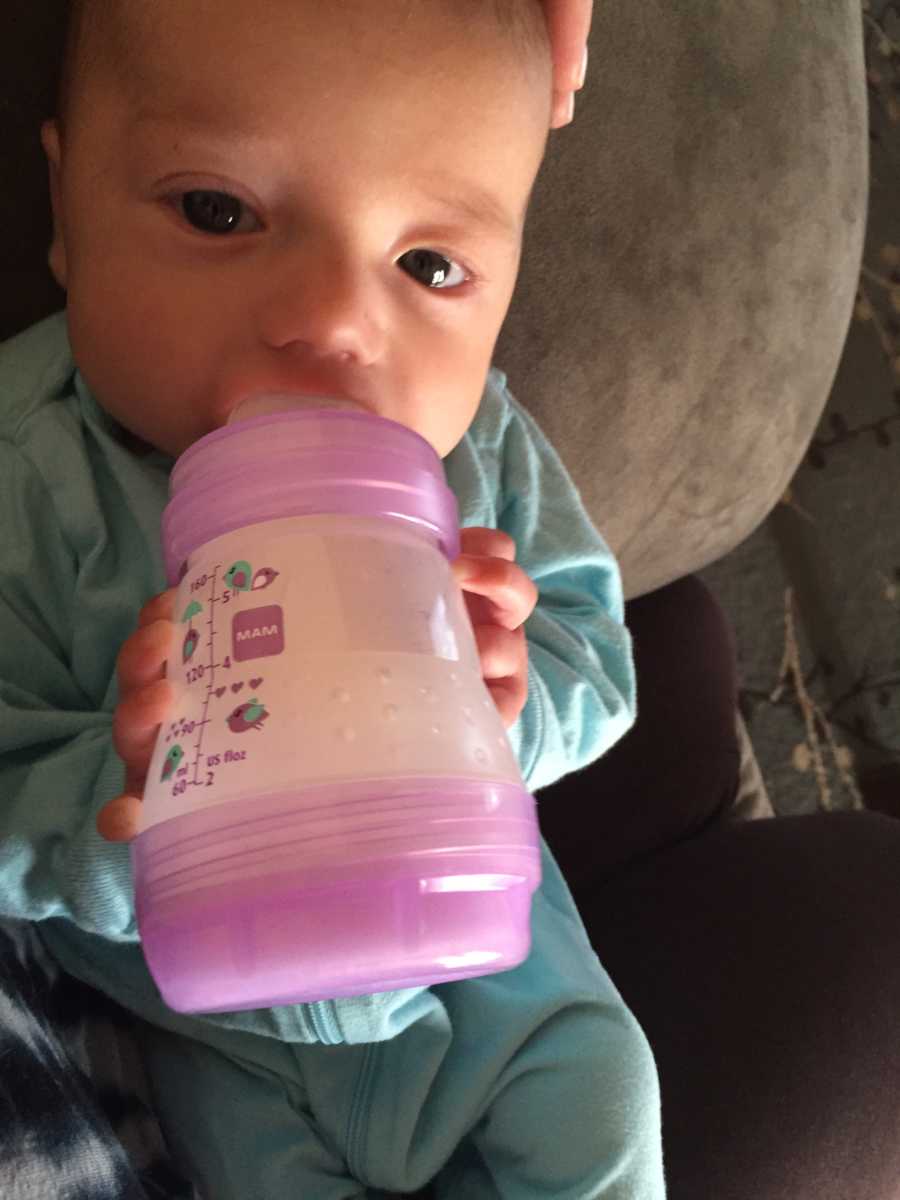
(138,349)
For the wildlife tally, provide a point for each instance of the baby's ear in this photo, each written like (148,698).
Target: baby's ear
(56,256)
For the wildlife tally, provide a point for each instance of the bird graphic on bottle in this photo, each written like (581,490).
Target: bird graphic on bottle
(240,578)
(170,766)
(249,715)
(191,638)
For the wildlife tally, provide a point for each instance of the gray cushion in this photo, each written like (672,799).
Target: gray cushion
(691,264)
(690,260)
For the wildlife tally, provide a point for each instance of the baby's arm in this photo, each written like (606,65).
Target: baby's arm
(581,685)
(57,761)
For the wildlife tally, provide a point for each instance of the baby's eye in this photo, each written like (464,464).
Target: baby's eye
(220,213)
(432,268)
(214,212)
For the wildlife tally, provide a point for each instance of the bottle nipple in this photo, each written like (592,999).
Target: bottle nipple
(264,404)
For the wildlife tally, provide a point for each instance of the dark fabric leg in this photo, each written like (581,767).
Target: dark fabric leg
(676,770)
(763,962)
(762,959)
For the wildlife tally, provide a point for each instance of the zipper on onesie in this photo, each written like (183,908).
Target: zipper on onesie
(325,1023)
(357,1123)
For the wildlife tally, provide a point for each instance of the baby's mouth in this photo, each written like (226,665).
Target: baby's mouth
(264,404)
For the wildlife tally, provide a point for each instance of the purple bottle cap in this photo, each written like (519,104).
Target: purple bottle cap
(304,462)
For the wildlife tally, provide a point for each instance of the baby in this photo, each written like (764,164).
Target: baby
(307,198)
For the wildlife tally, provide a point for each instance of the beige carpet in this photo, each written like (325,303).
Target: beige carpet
(815,593)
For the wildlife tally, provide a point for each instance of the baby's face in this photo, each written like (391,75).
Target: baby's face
(292,196)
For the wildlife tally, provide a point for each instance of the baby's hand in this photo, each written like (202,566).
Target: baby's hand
(568,22)
(499,597)
(145,696)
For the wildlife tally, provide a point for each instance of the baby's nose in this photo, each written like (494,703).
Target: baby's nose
(324,307)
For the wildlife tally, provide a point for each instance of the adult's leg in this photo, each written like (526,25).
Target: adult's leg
(676,770)
(763,962)
(761,959)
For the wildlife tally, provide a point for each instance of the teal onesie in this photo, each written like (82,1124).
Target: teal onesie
(535,1082)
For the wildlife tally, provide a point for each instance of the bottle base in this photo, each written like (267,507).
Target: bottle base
(292,945)
(223,930)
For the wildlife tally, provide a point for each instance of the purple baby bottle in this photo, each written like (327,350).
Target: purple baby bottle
(333,807)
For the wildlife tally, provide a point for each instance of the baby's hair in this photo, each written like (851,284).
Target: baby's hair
(84,48)
(522,20)
(95,36)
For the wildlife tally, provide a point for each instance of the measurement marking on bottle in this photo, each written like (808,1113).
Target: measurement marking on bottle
(211,677)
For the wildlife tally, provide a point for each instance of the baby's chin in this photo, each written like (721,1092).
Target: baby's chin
(141,444)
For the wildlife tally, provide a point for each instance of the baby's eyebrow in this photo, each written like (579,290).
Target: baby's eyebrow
(466,198)
(475,202)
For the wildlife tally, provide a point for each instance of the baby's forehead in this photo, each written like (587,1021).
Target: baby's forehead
(133,34)
(153,51)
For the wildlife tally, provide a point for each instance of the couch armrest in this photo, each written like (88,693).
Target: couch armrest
(690,267)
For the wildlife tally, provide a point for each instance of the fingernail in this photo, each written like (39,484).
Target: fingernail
(569,111)
(583,72)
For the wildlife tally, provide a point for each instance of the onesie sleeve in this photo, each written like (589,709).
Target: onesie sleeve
(581,684)
(57,762)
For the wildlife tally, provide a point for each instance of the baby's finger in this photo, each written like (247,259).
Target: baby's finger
(512,595)
(136,721)
(509,696)
(480,541)
(143,656)
(118,821)
(502,652)
(504,666)
(159,608)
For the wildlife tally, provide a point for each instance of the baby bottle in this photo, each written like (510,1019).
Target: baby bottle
(333,807)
